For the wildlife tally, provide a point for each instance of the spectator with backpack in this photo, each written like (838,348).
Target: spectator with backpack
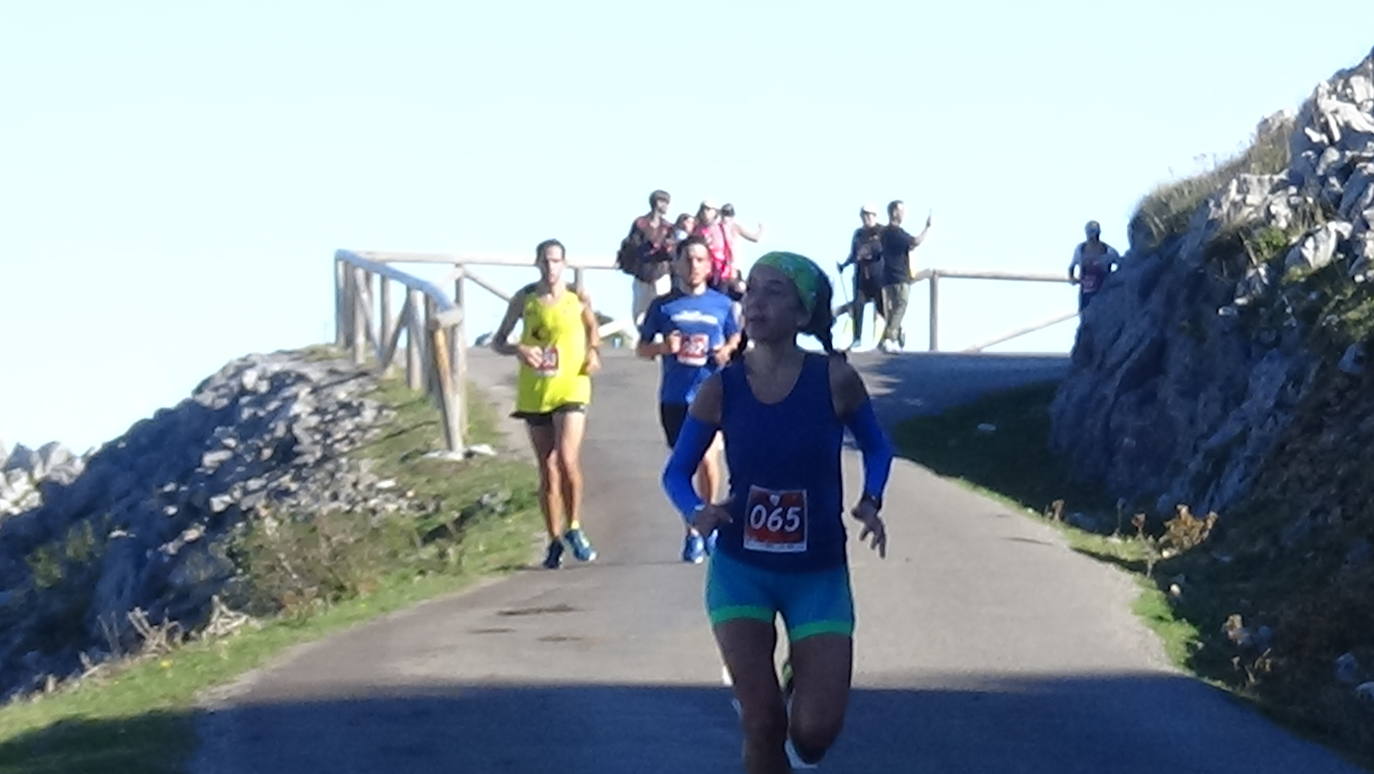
(646,252)
(866,256)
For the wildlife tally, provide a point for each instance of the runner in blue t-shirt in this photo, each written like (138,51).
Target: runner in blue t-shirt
(696,334)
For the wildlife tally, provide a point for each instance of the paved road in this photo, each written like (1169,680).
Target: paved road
(984,644)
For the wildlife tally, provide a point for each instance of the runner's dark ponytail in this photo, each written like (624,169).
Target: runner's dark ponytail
(823,316)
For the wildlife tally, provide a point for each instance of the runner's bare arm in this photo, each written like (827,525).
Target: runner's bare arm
(847,391)
(921,237)
(752,236)
(500,341)
(647,348)
(727,350)
(706,405)
(589,321)
(593,329)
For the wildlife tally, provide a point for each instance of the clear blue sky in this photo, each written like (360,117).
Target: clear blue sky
(176,175)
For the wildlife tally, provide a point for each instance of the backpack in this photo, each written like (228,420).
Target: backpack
(868,255)
(636,257)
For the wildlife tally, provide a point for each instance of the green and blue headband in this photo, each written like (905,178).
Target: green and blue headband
(803,272)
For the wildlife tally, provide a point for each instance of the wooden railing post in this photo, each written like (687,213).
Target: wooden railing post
(450,404)
(359,340)
(431,358)
(340,285)
(935,311)
(578,280)
(385,291)
(460,358)
(457,344)
(414,341)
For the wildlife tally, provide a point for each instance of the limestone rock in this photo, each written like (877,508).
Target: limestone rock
(142,523)
(1193,364)
(1319,248)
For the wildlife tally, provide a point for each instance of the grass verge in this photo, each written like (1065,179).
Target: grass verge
(141,715)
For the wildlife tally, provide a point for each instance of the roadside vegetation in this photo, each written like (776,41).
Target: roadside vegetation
(303,579)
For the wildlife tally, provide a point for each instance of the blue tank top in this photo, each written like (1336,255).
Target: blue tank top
(785,480)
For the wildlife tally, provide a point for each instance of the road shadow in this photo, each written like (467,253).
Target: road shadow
(1062,724)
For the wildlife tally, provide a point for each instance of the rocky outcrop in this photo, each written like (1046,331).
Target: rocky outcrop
(23,472)
(145,523)
(1193,362)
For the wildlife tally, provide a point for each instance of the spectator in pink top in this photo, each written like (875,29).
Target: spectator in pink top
(712,231)
(720,235)
(734,232)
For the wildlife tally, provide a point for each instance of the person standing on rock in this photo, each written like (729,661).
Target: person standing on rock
(693,332)
(866,256)
(559,350)
(781,545)
(897,273)
(1093,260)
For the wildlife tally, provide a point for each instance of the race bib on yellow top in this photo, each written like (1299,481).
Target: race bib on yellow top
(775,521)
(548,364)
(695,349)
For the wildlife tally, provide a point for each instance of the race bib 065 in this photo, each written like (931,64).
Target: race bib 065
(775,521)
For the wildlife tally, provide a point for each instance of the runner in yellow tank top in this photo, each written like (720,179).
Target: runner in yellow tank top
(558,353)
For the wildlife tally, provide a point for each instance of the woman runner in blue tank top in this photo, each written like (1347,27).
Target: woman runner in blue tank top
(781,546)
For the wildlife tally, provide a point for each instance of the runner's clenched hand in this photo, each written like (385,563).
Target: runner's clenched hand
(530,355)
(707,519)
(873,525)
(593,362)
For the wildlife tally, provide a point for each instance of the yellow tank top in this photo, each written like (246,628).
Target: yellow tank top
(555,327)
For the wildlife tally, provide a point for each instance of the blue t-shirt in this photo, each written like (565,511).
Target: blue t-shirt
(705,322)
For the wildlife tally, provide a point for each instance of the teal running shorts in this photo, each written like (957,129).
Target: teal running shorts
(811,602)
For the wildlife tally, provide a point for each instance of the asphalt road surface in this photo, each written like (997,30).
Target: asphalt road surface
(983,644)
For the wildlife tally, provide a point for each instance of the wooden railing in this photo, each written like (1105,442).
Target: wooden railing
(462,273)
(430,321)
(933,276)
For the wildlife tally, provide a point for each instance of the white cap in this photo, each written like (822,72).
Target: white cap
(870,207)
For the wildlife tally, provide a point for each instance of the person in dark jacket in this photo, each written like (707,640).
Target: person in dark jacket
(866,256)
(897,273)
